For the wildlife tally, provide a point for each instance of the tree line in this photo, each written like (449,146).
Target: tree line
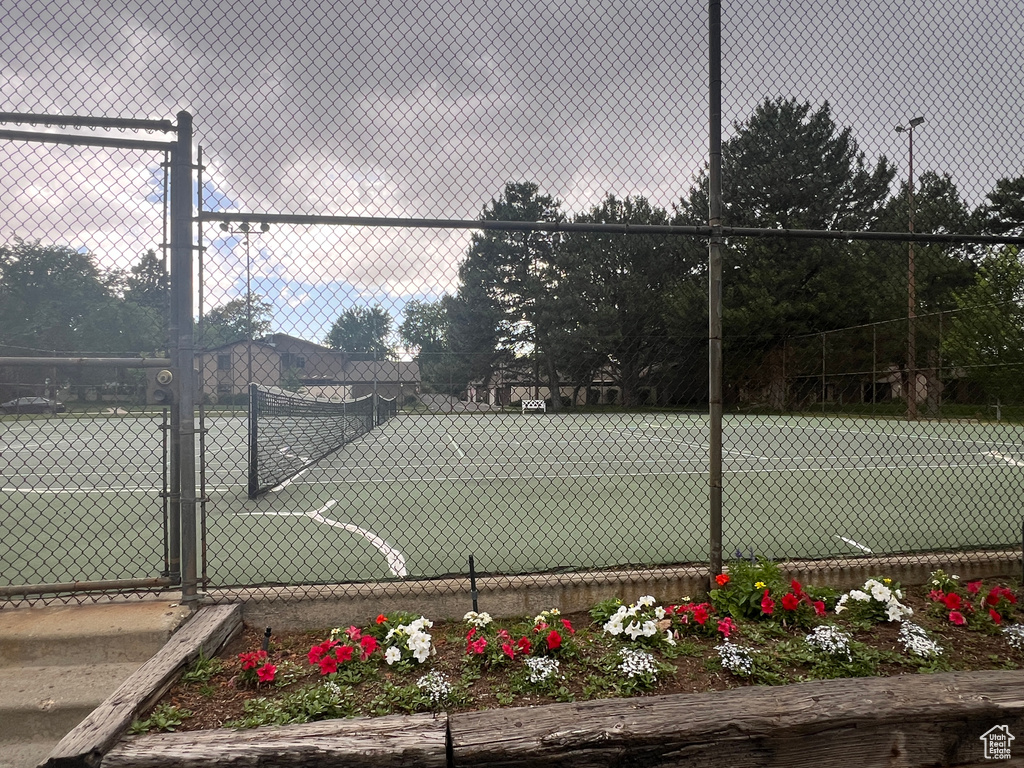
(564,308)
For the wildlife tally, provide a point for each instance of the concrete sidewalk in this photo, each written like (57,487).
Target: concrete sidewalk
(58,663)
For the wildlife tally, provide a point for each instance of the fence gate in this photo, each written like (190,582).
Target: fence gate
(90,427)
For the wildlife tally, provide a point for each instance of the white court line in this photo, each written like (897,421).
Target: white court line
(455,446)
(793,428)
(853,543)
(394,558)
(1008,459)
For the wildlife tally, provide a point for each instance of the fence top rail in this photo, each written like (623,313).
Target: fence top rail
(700,231)
(84,121)
(124,362)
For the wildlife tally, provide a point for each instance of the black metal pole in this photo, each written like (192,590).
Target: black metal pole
(472,582)
(715,367)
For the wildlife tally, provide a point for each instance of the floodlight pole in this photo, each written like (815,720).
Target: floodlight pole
(911,288)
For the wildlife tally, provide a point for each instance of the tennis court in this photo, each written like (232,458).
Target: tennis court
(524,493)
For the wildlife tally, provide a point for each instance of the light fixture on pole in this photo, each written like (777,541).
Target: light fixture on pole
(244,228)
(911,297)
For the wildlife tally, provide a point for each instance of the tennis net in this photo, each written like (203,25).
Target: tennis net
(289,432)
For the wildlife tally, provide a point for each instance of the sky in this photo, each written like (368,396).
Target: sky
(426,109)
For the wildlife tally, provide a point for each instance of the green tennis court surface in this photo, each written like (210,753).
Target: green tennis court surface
(525,493)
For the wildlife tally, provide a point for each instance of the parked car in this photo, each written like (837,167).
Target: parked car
(31,405)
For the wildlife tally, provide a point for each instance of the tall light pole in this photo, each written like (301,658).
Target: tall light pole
(245,229)
(911,297)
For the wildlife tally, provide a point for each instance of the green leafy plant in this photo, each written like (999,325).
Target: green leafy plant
(165,717)
(202,669)
(316,702)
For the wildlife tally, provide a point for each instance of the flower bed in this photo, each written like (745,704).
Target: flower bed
(754,628)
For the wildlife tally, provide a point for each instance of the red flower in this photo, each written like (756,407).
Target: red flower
(995,616)
(957,618)
(937,595)
(767,604)
(819,608)
(343,653)
(314,654)
(381,618)
(700,613)
(476,646)
(266,673)
(952,601)
(252,659)
(797,589)
(504,636)
(328,665)
(974,586)
(566,623)
(726,626)
(369,644)
(523,645)
(722,579)
(554,640)
(471,634)
(508,650)
(790,601)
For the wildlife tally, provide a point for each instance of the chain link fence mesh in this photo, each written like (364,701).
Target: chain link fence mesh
(551,386)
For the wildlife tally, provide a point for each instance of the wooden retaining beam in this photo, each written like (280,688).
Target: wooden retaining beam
(206,632)
(416,741)
(918,720)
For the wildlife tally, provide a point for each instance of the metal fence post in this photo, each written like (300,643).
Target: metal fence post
(184,348)
(715,285)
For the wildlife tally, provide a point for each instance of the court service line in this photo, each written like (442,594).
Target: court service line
(853,543)
(455,446)
(1008,459)
(394,558)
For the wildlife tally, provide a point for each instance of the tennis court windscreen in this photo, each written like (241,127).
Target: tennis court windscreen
(289,432)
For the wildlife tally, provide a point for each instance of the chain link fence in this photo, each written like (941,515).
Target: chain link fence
(485,225)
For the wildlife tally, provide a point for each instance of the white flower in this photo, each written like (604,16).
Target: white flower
(436,686)
(542,668)
(635,663)
(634,630)
(477,619)
(392,655)
(614,625)
(856,594)
(1015,636)
(735,658)
(645,601)
(830,640)
(659,613)
(419,644)
(916,641)
(668,637)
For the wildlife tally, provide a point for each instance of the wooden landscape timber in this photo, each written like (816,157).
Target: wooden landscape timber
(206,632)
(398,741)
(910,721)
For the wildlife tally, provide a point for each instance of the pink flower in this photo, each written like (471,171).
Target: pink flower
(343,653)
(995,616)
(974,586)
(568,625)
(797,589)
(266,673)
(354,633)
(790,601)
(726,626)
(369,644)
(508,650)
(957,618)
(476,646)
(819,608)
(700,614)
(554,640)
(504,636)
(767,604)
(937,595)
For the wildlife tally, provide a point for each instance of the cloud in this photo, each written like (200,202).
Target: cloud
(406,108)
